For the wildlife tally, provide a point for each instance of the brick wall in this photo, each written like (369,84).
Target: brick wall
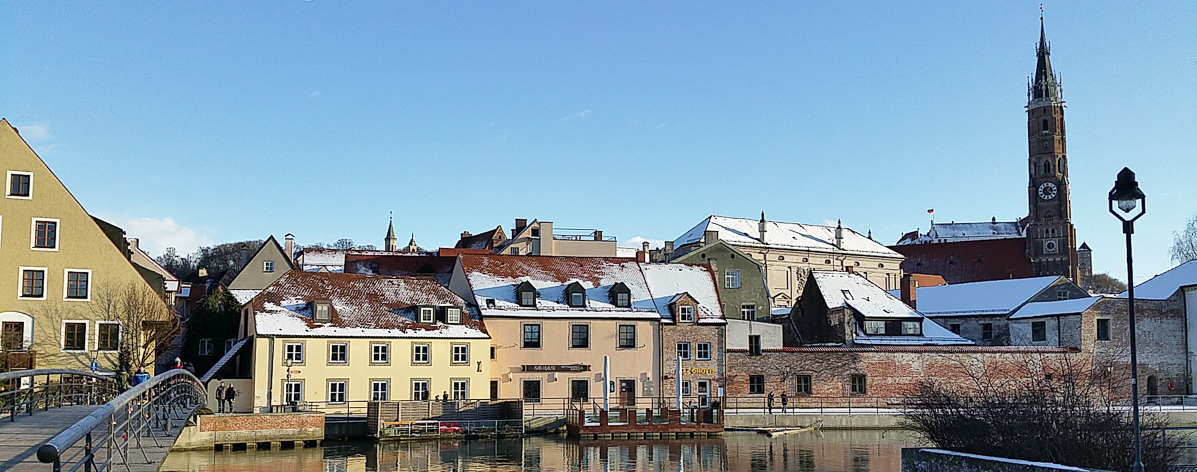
(263,421)
(693,370)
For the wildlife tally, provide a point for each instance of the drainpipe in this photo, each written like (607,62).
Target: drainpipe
(270,378)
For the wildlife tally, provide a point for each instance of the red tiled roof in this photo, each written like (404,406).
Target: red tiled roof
(928,349)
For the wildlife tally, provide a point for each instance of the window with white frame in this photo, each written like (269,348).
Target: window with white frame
(419,390)
(731,278)
(623,299)
(20,184)
(874,327)
(748,311)
(380,390)
(336,391)
(683,351)
(268,266)
(461,353)
(685,313)
(45,234)
(460,389)
(74,336)
(33,282)
(419,353)
(293,352)
(703,351)
(338,353)
(685,388)
(380,353)
(293,391)
(453,315)
(427,315)
(205,347)
(77,284)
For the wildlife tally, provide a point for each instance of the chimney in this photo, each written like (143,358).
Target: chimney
(909,286)
(203,272)
(668,249)
(289,246)
(850,269)
(839,235)
(710,237)
(520,224)
(244,255)
(465,234)
(761,226)
(645,246)
(598,235)
(642,256)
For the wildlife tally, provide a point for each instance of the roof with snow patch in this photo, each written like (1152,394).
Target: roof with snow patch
(1164,285)
(845,289)
(666,283)
(746,232)
(1054,307)
(953,232)
(989,298)
(494,278)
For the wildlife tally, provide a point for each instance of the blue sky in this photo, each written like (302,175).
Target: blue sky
(199,122)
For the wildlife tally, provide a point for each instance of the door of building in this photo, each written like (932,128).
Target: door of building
(494,389)
(704,393)
(627,390)
(12,336)
(579,390)
(1153,385)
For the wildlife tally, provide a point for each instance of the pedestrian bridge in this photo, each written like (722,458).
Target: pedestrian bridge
(67,420)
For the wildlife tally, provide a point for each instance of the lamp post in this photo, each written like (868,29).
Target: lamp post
(1127,197)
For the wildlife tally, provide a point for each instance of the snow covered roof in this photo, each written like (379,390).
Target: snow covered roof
(494,278)
(746,232)
(667,282)
(626,251)
(362,306)
(244,295)
(322,260)
(1164,285)
(845,289)
(994,297)
(953,232)
(1054,307)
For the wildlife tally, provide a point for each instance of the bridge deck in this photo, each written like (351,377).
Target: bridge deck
(20,439)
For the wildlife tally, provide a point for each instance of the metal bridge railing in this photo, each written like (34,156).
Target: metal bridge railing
(29,391)
(134,419)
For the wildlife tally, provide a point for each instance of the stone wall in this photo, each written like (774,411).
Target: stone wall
(693,370)
(935,460)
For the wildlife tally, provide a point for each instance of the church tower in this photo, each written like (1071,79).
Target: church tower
(391,243)
(1051,237)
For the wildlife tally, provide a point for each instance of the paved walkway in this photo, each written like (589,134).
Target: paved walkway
(20,439)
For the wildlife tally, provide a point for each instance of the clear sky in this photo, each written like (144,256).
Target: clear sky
(191,123)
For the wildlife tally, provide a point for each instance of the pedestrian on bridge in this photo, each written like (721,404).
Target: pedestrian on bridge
(230,394)
(769,401)
(220,396)
(784,402)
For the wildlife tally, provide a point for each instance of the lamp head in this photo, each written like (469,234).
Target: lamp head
(1127,196)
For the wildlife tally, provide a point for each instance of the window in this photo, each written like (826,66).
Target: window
(535,232)
(109,336)
(683,351)
(1038,331)
(453,315)
(579,336)
(756,384)
(986,331)
(336,391)
(577,299)
(754,344)
(74,336)
(293,352)
(748,311)
(847,294)
(427,315)
(268,266)
(515,251)
(731,278)
(460,389)
(579,390)
(323,311)
(685,388)
(293,392)
(531,336)
(77,284)
(205,347)
(419,353)
(860,384)
(228,345)
(33,283)
(461,353)
(525,294)
(532,391)
(685,313)
(12,336)
(380,390)
(493,351)
(623,299)
(1062,294)
(954,327)
(380,353)
(802,385)
(703,351)
(419,390)
(912,328)
(874,327)
(45,234)
(1103,329)
(20,184)
(627,336)
(338,353)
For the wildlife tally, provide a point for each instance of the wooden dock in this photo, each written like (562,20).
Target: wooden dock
(631,424)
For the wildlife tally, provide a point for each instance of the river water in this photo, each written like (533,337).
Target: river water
(827,451)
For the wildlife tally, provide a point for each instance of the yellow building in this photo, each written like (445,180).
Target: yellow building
(351,337)
(59,267)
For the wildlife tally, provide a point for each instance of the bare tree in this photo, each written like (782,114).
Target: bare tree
(1184,243)
(176,264)
(343,243)
(1104,283)
(147,324)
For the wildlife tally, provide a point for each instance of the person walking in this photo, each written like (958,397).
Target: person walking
(784,402)
(140,376)
(220,396)
(769,402)
(230,394)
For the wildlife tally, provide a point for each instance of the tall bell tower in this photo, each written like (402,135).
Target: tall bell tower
(1051,237)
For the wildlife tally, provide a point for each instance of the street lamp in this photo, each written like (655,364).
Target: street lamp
(1127,197)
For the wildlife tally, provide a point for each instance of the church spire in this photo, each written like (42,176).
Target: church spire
(1044,84)
(391,242)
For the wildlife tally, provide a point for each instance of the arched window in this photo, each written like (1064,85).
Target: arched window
(1046,128)
(1047,167)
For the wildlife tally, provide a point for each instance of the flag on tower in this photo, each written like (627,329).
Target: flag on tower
(931,211)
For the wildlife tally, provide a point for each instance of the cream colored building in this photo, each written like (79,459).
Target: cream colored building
(57,263)
(788,252)
(539,238)
(353,338)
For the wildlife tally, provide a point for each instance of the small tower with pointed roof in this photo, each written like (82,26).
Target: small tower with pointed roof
(391,243)
(762,226)
(412,248)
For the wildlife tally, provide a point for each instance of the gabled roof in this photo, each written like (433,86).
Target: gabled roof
(746,232)
(401,264)
(314,259)
(990,298)
(1054,308)
(667,282)
(954,232)
(270,243)
(493,278)
(484,240)
(845,289)
(1164,285)
(362,306)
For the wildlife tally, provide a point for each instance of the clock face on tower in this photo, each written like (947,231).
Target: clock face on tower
(1047,191)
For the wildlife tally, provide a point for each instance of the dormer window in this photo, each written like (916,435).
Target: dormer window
(685,313)
(427,315)
(453,315)
(575,295)
(621,296)
(525,294)
(322,311)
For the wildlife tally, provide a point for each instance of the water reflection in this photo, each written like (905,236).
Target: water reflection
(829,451)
